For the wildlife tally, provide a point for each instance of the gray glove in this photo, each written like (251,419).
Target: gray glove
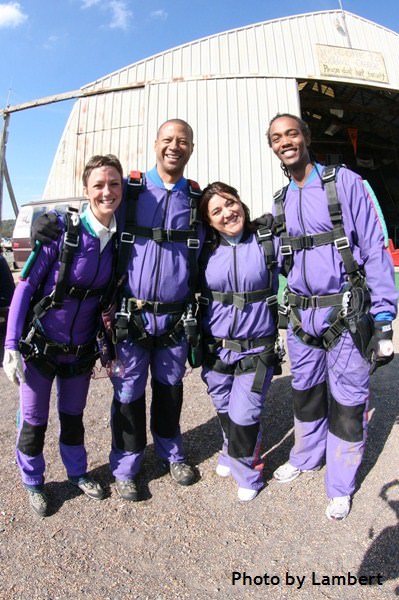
(12,365)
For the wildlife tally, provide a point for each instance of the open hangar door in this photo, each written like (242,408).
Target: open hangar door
(357,126)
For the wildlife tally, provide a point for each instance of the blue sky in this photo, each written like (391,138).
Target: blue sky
(55,46)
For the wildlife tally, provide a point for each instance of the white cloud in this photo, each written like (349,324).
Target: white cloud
(159,14)
(120,14)
(11,15)
(89,3)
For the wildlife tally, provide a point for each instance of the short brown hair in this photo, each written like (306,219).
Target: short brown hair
(99,160)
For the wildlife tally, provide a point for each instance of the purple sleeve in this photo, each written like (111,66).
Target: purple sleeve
(369,237)
(42,264)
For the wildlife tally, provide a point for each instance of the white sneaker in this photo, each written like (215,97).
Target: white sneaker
(338,508)
(223,470)
(245,495)
(286,473)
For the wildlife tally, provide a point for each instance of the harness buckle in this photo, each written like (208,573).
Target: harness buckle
(341,243)
(127,238)
(158,235)
(203,300)
(286,250)
(284,310)
(329,174)
(271,300)
(123,312)
(193,243)
(70,242)
(264,234)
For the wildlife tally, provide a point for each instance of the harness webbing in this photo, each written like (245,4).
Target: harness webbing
(132,306)
(260,362)
(290,244)
(71,242)
(35,344)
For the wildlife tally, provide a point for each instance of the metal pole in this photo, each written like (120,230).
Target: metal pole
(10,190)
(2,159)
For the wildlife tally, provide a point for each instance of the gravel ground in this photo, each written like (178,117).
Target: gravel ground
(200,542)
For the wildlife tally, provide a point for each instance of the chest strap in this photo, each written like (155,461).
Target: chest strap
(213,343)
(156,308)
(238,299)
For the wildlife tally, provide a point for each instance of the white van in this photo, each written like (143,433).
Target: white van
(21,244)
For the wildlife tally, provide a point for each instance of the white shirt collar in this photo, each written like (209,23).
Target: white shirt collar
(103,232)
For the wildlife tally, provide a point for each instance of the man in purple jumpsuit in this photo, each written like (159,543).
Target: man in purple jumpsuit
(333,430)
(153,300)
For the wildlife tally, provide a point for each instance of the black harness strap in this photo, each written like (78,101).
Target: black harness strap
(135,184)
(340,241)
(129,322)
(37,346)
(261,361)
(71,242)
(288,311)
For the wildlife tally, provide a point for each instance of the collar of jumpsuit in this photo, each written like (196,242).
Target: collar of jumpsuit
(103,233)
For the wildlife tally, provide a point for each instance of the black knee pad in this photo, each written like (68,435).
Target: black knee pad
(72,430)
(311,404)
(31,439)
(166,407)
(129,425)
(242,439)
(224,422)
(346,422)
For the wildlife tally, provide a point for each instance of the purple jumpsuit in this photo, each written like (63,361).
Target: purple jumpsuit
(158,271)
(238,268)
(75,323)
(334,429)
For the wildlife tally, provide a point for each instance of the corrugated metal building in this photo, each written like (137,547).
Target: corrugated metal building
(338,70)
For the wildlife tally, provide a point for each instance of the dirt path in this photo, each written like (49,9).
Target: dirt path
(193,542)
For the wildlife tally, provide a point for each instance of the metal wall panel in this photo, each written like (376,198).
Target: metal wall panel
(227,86)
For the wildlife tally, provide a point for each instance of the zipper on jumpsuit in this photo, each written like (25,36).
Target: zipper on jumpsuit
(235,309)
(304,257)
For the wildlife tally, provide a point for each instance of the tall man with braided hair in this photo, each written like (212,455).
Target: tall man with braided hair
(340,302)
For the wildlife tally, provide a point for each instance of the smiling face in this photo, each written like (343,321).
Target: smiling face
(173,148)
(226,214)
(290,145)
(104,191)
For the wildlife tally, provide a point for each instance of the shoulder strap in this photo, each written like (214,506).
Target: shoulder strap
(71,242)
(135,185)
(341,241)
(193,243)
(279,218)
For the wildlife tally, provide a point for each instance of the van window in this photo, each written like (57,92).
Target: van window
(28,214)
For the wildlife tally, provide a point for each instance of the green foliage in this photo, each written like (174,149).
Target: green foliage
(7,227)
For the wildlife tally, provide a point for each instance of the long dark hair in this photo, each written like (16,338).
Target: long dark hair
(225,190)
